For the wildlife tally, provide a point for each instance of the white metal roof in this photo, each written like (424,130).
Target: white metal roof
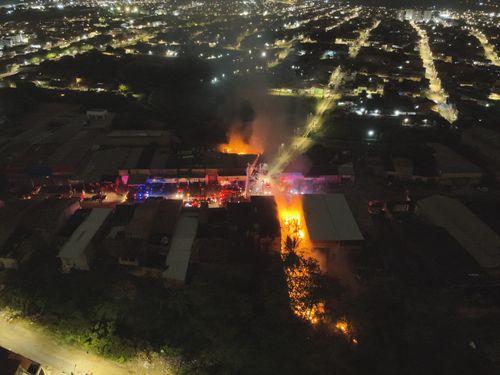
(329,218)
(479,240)
(85,232)
(180,250)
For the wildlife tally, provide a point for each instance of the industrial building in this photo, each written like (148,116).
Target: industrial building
(16,364)
(320,166)
(181,248)
(330,221)
(140,234)
(477,238)
(454,168)
(25,225)
(78,251)
(484,141)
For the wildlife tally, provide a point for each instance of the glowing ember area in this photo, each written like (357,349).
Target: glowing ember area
(300,268)
(435,92)
(489,49)
(343,327)
(364,35)
(237,144)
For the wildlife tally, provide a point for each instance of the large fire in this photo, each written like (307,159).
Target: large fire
(299,272)
(301,269)
(237,144)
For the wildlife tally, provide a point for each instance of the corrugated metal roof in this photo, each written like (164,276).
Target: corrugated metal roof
(180,251)
(479,240)
(448,161)
(142,221)
(85,232)
(329,218)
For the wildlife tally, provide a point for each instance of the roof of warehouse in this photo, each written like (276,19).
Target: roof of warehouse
(486,136)
(329,218)
(85,232)
(480,241)
(449,161)
(180,251)
(142,220)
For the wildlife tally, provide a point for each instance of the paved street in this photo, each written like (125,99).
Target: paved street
(57,359)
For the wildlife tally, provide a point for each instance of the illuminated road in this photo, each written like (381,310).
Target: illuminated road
(300,144)
(244,34)
(11,72)
(362,39)
(489,49)
(354,14)
(57,52)
(435,91)
(312,92)
(57,359)
(46,86)
(286,48)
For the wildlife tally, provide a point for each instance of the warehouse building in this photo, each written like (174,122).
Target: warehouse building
(484,141)
(25,225)
(454,168)
(141,234)
(78,251)
(180,251)
(478,239)
(330,221)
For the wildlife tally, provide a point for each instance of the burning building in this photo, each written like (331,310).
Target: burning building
(237,143)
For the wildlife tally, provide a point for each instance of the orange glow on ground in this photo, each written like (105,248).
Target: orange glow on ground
(237,144)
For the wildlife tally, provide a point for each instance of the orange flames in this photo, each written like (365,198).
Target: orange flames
(298,275)
(237,144)
(343,327)
(292,218)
